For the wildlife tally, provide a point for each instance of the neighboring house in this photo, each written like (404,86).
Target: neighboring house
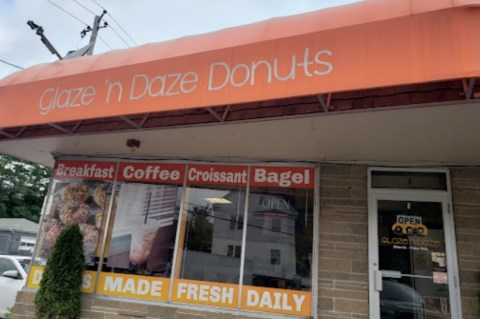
(17,236)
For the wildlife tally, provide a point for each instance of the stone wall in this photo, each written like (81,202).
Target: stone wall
(343,242)
(96,308)
(466,208)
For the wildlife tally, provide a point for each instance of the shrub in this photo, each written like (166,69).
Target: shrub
(59,294)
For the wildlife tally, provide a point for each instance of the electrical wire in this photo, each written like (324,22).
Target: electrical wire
(117,23)
(81,5)
(104,42)
(98,4)
(73,16)
(120,26)
(118,35)
(11,64)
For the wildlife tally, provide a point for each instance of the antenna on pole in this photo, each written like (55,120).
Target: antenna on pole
(43,38)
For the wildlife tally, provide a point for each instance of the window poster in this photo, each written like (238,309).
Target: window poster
(80,194)
(143,227)
(141,244)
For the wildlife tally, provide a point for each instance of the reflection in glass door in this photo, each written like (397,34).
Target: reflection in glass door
(412,260)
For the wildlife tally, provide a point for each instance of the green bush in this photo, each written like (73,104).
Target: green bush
(59,294)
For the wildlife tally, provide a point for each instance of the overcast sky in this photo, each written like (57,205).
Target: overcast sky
(144,20)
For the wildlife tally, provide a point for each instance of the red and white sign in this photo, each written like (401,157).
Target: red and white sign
(85,170)
(151,172)
(287,177)
(217,174)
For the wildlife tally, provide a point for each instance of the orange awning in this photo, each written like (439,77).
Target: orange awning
(374,43)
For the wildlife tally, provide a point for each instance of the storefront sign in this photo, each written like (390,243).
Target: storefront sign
(290,302)
(151,172)
(205,293)
(291,177)
(36,272)
(225,68)
(133,286)
(85,170)
(217,175)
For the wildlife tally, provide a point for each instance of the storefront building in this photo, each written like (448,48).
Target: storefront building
(316,166)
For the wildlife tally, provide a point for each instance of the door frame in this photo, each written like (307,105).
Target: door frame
(445,197)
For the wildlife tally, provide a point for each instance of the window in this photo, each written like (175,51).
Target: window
(6,265)
(279,238)
(77,199)
(183,232)
(236,222)
(210,211)
(234,251)
(277,223)
(145,221)
(275,257)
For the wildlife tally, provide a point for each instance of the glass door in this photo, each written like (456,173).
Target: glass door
(412,260)
(413,267)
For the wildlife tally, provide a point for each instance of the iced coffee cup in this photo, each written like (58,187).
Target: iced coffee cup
(141,243)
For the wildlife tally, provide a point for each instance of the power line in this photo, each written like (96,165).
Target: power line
(81,5)
(11,64)
(105,42)
(120,26)
(117,23)
(113,29)
(98,4)
(73,16)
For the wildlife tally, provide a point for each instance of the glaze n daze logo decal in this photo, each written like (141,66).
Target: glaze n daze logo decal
(410,225)
(410,233)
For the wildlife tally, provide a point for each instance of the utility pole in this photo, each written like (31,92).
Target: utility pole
(86,50)
(96,27)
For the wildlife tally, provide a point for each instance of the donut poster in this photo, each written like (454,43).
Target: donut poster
(80,193)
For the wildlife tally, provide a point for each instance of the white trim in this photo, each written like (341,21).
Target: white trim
(244,240)
(443,197)
(316,236)
(177,235)
(106,228)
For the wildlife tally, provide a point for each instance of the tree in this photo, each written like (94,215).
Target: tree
(23,187)
(59,295)
(200,231)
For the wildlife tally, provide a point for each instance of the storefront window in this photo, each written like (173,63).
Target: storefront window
(79,194)
(214,207)
(279,238)
(183,232)
(144,215)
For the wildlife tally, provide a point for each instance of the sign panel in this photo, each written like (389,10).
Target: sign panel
(36,272)
(133,286)
(158,173)
(292,302)
(205,293)
(217,175)
(286,177)
(84,170)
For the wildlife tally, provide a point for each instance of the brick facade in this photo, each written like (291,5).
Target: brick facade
(343,242)
(466,207)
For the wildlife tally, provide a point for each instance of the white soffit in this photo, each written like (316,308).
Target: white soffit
(447,134)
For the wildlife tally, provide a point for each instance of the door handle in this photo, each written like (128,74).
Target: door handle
(378,280)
